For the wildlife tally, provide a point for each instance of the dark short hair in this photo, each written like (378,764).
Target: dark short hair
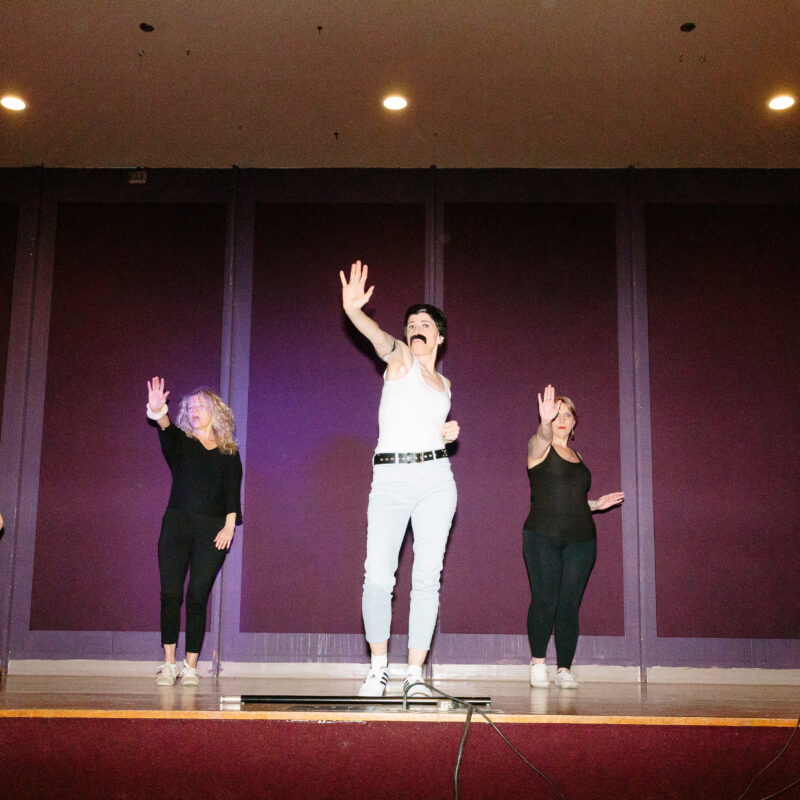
(434,313)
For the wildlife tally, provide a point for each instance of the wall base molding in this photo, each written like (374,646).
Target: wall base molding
(320,670)
(734,675)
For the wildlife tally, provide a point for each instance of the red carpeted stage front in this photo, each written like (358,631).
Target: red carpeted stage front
(124,738)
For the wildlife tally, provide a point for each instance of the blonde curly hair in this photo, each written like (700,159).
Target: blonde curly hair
(221,420)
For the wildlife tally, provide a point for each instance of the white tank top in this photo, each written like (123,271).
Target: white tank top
(411,414)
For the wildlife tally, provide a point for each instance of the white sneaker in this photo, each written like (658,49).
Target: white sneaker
(413,687)
(564,680)
(166,674)
(375,683)
(189,676)
(539,676)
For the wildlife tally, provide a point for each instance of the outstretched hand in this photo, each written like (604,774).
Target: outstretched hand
(548,406)
(354,292)
(156,396)
(608,500)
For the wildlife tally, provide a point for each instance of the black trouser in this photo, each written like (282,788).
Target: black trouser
(558,573)
(187,543)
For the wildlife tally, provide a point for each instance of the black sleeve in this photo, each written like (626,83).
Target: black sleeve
(233,486)
(171,442)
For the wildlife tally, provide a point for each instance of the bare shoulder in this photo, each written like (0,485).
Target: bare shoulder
(537,454)
(399,365)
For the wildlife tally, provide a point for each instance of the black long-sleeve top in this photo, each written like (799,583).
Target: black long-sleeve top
(204,481)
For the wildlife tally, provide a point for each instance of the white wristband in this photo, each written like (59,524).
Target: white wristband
(157,414)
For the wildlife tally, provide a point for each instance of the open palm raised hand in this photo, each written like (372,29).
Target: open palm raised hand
(548,405)
(354,293)
(156,396)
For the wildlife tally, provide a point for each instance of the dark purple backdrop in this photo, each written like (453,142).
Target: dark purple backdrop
(722,305)
(530,294)
(137,292)
(313,409)
(540,291)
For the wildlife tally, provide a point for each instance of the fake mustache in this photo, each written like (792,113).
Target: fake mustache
(418,336)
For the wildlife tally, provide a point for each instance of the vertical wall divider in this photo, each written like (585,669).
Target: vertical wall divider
(434,288)
(35,375)
(225,385)
(627,348)
(238,289)
(29,197)
(644,456)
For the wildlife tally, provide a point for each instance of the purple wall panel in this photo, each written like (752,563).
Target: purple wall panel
(137,291)
(9,218)
(722,306)
(530,294)
(313,410)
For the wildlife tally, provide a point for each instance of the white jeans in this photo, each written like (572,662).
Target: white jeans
(426,494)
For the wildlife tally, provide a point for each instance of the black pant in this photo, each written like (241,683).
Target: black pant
(187,543)
(558,572)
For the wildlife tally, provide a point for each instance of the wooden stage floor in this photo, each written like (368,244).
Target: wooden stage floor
(511,701)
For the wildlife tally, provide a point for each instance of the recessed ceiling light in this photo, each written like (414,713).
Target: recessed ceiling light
(395,102)
(12,103)
(781,102)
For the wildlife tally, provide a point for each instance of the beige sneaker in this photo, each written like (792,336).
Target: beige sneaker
(166,674)
(189,676)
(564,680)
(539,676)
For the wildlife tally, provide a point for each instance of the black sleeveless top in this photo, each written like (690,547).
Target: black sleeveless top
(559,504)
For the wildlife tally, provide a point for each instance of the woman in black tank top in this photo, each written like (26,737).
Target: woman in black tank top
(559,537)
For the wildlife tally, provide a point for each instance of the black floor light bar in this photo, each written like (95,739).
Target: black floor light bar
(342,700)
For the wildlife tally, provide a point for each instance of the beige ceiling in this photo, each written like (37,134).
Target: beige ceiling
(510,83)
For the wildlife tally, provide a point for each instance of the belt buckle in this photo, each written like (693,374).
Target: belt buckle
(405,458)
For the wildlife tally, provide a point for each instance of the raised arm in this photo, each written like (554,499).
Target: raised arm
(548,411)
(355,296)
(157,401)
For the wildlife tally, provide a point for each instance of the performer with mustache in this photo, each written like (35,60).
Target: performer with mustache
(411,479)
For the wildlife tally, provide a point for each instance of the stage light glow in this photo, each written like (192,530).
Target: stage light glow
(395,102)
(12,103)
(781,102)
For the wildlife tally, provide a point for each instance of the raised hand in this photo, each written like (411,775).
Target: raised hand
(156,396)
(548,407)
(354,292)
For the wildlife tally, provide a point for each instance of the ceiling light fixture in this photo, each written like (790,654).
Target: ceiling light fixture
(12,103)
(395,102)
(781,102)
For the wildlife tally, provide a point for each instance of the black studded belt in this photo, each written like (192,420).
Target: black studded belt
(408,458)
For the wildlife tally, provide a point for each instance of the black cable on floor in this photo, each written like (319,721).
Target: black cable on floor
(470,709)
(461,751)
(781,791)
(764,769)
